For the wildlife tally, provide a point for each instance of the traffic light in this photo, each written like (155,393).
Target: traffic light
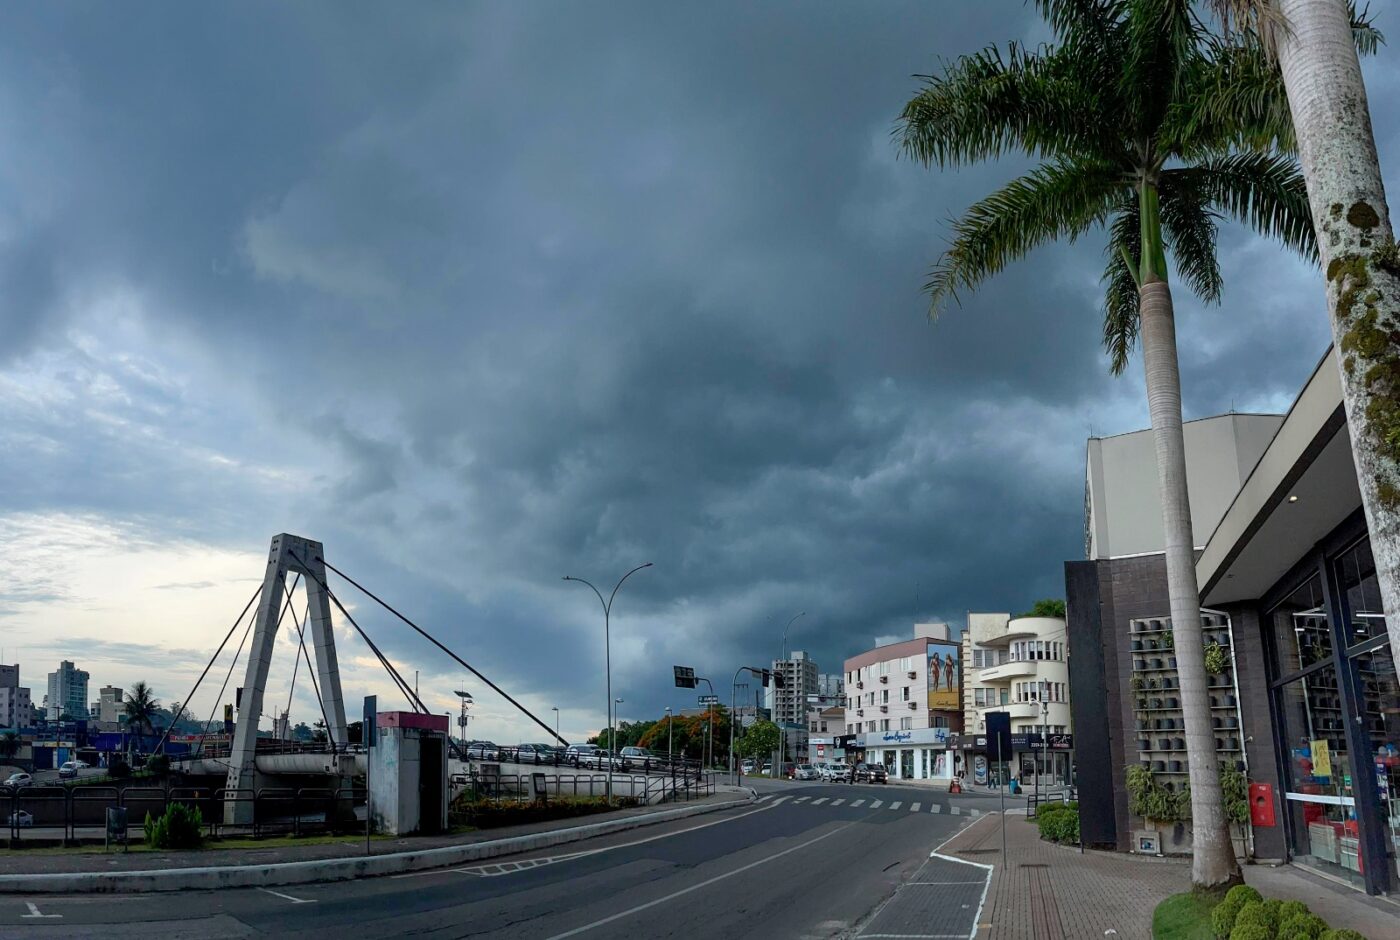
(767,674)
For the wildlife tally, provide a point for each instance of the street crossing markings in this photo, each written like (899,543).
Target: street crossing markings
(838,802)
(876,804)
(34,912)
(287,897)
(935,808)
(955,810)
(801,798)
(915,807)
(896,804)
(976,812)
(855,803)
(819,801)
(762,798)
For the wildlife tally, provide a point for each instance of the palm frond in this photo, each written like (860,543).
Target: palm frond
(1235,98)
(1121,299)
(1164,39)
(1191,227)
(987,103)
(1058,200)
(1265,191)
(1364,34)
(1263,20)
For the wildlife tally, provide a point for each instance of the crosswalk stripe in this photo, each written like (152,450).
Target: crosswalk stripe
(915,807)
(896,804)
(801,799)
(838,802)
(762,798)
(935,808)
(875,804)
(976,812)
(956,811)
(855,803)
(818,802)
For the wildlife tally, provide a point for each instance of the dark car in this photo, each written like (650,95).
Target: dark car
(871,773)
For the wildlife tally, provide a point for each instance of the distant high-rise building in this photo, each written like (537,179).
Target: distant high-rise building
(68,692)
(16,709)
(109,704)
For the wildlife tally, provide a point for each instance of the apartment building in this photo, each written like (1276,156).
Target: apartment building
(16,709)
(68,692)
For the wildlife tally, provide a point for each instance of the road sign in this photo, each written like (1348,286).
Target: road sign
(685,677)
(368,730)
(709,700)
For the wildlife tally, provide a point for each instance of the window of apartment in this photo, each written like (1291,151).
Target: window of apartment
(884,724)
(906,693)
(979,697)
(884,696)
(885,668)
(1005,696)
(906,724)
(939,721)
(870,726)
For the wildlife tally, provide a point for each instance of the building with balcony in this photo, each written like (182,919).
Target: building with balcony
(16,709)
(68,692)
(903,704)
(1018,665)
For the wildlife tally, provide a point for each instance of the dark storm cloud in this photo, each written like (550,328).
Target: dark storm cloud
(488,294)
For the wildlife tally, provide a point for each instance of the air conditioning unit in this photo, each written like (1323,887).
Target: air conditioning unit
(860,712)
(884,708)
(860,685)
(913,674)
(913,704)
(884,678)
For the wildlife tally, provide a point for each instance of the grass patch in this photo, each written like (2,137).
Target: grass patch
(1184,916)
(241,843)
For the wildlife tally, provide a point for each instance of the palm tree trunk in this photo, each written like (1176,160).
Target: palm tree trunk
(1337,149)
(1213,863)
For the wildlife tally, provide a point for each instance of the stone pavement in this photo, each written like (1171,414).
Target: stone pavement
(1049,892)
(27,862)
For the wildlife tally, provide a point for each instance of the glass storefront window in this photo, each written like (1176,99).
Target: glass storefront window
(1302,635)
(1319,795)
(1356,570)
(1381,692)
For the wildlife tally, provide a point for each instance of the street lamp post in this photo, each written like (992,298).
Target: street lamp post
(782,727)
(669,730)
(607,650)
(555,709)
(1044,734)
(466,698)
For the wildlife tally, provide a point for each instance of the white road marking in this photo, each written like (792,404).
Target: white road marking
(855,803)
(935,808)
(801,798)
(762,798)
(287,897)
(955,810)
(976,812)
(839,802)
(819,801)
(696,887)
(876,804)
(896,804)
(34,912)
(915,807)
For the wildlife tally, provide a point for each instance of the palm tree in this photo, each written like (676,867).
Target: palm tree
(9,745)
(1317,44)
(1110,109)
(141,708)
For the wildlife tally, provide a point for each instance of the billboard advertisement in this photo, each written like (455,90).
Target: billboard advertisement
(944,676)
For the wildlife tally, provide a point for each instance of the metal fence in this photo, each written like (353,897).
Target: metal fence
(71,814)
(530,787)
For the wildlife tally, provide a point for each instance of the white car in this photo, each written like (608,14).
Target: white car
(15,781)
(21,820)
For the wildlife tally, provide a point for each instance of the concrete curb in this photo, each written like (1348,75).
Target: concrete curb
(334,869)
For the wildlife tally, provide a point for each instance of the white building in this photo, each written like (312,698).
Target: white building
(903,704)
(1019,665)
(68,692)
(110,707)
(16,709)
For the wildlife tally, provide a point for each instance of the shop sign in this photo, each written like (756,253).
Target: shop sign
(979,769)
(937,736)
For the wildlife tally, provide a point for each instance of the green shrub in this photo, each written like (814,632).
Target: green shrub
(1300,926)
(1243,894)
(1342,933)
(1047,809)
(118,769)
(1222,919)
(1251,932)
(1263,913)
(181,827)
(1061,826)
(1290,908)
(159,765)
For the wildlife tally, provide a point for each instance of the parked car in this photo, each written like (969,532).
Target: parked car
(838,773)
(537,754)
(806,772)
(483,750)
(21,820)
(747,766)
(638,758)
(17,780)
(68,769)
(870,773)
(768,768)
(581,755)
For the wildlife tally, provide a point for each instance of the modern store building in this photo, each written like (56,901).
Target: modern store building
(1305,701)
(903,702)
(1018,665)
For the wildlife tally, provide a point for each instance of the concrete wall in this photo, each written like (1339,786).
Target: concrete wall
(395,775)
(1123,511)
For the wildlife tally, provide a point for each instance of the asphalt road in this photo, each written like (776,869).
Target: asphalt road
(809,860)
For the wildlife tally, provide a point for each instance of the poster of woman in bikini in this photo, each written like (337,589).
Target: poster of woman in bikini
(944,676)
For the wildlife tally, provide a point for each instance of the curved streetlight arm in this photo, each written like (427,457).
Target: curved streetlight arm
(619,583)
(595,591)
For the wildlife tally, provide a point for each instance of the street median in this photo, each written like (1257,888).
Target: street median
(204,878)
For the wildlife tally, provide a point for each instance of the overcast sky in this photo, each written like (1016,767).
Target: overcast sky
(481,295)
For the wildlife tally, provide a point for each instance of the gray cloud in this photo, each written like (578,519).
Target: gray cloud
(494,293)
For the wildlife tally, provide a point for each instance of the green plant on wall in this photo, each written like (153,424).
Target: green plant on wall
(1136,683)
(1217,659)
(1150,800)
(1168,641)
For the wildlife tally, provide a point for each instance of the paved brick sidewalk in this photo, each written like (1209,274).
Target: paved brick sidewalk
(25,862)
(1049,892)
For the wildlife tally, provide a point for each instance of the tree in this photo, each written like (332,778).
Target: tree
(1111,108)
(9,745)
(1049,607)
(141,707)
(1316,43)
(301,731)
(760,740)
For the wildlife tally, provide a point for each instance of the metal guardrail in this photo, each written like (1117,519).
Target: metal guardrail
(51,813)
